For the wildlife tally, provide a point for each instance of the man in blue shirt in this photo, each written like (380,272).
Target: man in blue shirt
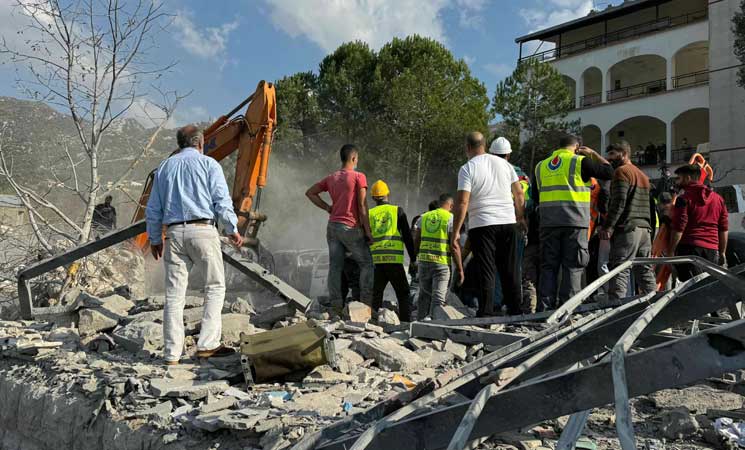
(189,191)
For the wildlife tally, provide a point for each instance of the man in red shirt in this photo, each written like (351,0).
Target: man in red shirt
(700,222)
(348,229)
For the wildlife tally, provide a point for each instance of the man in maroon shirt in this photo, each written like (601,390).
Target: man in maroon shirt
(700,222)
(348,230)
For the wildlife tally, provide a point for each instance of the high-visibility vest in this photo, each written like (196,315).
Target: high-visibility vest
(563,196)
(434,246)
(387,246)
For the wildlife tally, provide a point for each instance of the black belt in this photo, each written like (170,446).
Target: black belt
(188,222)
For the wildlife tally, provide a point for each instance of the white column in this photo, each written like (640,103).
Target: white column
(669,141)
(603,144)
(604,79)
(669,71)
(576,99)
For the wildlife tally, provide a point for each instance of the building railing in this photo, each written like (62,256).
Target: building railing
(618,35)
(590,99)
(691,79)
(650,87)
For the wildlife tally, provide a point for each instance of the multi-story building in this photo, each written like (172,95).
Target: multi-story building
(660,74)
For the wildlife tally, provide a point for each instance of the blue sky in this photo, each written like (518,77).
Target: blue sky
(224,48)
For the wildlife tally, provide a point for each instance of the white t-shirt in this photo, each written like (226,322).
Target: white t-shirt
(489,179)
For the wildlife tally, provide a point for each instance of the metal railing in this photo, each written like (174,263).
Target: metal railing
(691,79)
(641,29)
(650,87)
(590,99)
(683,154)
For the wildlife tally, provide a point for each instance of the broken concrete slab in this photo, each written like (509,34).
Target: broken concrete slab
(268,317)
(140,335)
(357,312)
(192,390)
(233,325)
(389,355)
(388,318)
(92,321)
(678,423)
(434,358)
(697,399)
(463,335)
(460,351)
(326,375)
(218,405)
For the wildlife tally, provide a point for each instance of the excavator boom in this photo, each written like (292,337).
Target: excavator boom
(251,135)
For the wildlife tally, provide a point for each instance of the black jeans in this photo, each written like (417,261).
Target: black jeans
(687,271)
(396,275)
(491,247)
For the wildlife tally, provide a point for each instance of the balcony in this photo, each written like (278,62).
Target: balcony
(654,26)
(590,100)
(636,90)
(691,79)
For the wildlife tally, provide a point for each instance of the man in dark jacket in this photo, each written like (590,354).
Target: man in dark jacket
(700,222)
(629,223)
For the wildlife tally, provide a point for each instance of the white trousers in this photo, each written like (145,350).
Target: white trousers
(186,247)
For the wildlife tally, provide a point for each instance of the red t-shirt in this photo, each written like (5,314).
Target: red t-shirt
(700,214)
(343,186)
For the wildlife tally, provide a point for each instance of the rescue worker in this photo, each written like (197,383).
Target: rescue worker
(562,191)
(502,148)
(435,254)
(390,234)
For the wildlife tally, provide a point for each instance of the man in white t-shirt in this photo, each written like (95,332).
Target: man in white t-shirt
(489,190)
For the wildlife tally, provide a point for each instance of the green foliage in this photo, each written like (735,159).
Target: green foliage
(407,107)
(533,101)
(738,28)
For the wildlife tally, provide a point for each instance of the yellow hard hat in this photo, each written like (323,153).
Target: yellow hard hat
(380,189)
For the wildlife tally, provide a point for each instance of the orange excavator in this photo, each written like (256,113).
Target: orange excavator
(661,245)
(251,135)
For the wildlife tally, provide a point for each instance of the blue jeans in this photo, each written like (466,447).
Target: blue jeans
(343,239)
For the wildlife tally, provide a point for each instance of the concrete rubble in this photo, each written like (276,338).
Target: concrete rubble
(100,370)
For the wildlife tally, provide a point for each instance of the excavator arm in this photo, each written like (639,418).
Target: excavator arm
(251,135)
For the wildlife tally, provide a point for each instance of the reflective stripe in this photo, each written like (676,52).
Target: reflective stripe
(387,238)
(438,240)
(387,252)
(436,252)
(566,188)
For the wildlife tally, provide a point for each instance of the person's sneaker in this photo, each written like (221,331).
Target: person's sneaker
(219,351)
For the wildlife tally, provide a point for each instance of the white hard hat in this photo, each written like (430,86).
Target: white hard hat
(500,146)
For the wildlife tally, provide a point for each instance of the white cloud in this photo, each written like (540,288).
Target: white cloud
(470,12)
(329,23)
(204,42)
(469,59)
(499,69)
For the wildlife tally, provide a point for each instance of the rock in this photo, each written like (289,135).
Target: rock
(273,439)
(433,358)
(416,344)
(64,335)
(193,390)
(697,399)
(460,351)
(218,405)
(140,335)
(242,419)
(273,314)
(158,302)
(350,356)
(447,312)
(233,325)
(357,312)
(678,423)
(353,327)
(386,317)
(161,413)
(242,306)
(320,403)
(117,304)
(326,375)
(389,355)
(92,321)
(341,344)
(374,328)
(180,374)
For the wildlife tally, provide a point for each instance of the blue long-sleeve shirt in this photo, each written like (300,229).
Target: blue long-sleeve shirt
(188,186)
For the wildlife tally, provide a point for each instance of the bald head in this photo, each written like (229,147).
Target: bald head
(190,136)
(475,144)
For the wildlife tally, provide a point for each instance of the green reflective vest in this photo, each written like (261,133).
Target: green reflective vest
(387,246)
(563,196)
(435,244)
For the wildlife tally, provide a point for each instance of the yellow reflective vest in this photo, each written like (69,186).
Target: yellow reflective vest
(563,197)
(387,246)
(434,246)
